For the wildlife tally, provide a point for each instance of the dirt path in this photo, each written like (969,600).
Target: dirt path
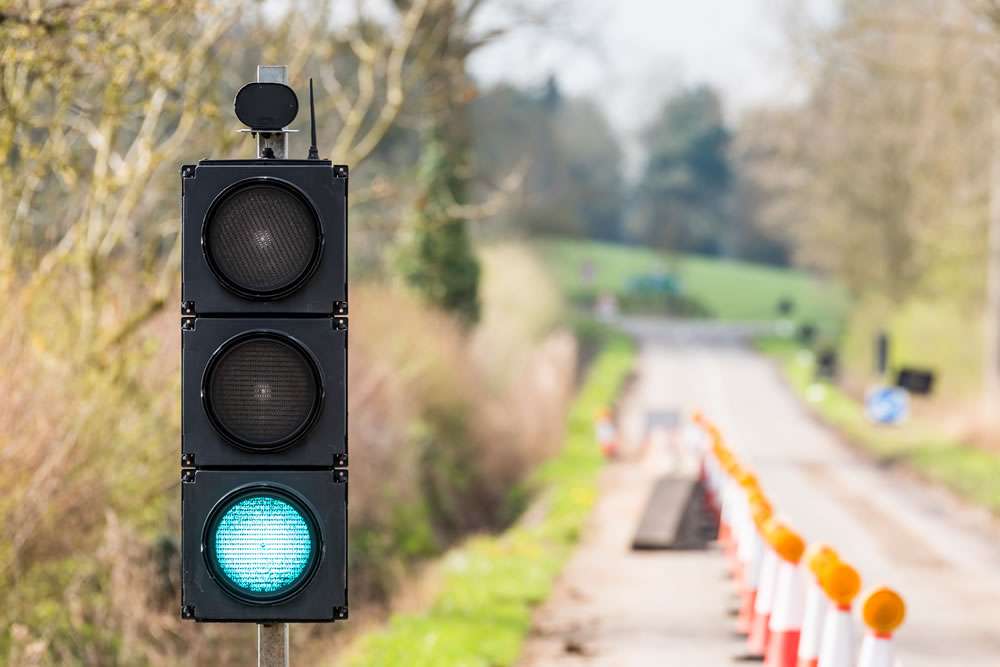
(613,606)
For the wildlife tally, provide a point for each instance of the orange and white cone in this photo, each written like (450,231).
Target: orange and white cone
(837,648)
(732,513)
(883,612)
(713,467)
(817,556)
(725,512)
(745,529)
(785,625)
(759,626)
(747,498)
(720,459)
(752,571)
(695,439)
(605,433)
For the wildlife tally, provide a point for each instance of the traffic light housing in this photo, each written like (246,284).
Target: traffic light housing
(264,391)
(264,237)
(264,546)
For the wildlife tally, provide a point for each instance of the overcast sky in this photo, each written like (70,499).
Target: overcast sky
(629,55)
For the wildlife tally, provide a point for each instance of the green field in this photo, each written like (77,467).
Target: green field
(728,290)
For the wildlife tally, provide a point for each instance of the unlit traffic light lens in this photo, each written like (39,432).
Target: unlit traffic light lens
(262,390)
(262,240)
(262,546)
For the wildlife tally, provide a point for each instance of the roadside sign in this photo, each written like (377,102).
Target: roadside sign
(887,405)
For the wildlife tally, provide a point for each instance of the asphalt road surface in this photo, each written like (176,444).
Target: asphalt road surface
(613,606)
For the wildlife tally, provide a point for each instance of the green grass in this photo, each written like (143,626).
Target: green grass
(728,290)
(970,471)
(492,584)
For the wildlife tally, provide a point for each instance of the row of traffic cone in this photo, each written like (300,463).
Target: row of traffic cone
(795,601)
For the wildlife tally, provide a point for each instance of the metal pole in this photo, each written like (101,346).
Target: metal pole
(272,638)
(272,645)
(276,142)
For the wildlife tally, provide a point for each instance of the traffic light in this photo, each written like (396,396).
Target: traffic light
(264,395)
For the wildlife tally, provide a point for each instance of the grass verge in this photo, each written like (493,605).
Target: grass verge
(970,471)
(492,584)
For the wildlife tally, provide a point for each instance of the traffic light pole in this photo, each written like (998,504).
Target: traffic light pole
(272,638)
(272,645)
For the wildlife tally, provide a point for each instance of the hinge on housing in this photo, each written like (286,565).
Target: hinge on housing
(340,307)
(340,170)
(340,323)
(187,309)
(340,461)
(187,323)
(340,476)
(187,460)
(187,171)
(340,613)
(187,476)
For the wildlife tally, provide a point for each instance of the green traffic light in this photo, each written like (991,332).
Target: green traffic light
(262,545)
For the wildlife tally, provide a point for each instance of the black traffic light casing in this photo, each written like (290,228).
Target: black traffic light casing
(317,436)
(264,395)
(323,598)
(318,186)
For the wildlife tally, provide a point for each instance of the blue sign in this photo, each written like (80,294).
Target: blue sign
(887,405)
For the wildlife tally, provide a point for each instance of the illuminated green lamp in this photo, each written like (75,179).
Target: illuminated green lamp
(262,545)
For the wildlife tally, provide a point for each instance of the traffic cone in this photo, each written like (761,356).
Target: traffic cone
(694,438)
(605,433)
(817,556)
(758,638)
(762,512)
(713,465)
(725,509)
(720,462)
(883,612)
(732,514)
(841,583)
(785,625)
(744,527)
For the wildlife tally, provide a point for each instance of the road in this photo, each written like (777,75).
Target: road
(613,606)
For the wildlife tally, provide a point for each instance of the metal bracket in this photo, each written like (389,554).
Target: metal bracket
(187,309)
(339,476)
(340,170)
(187,323)
(340,460)
(187,611)
(187,460)
(187,171)
(340,323)
(340,307)
(274,144)
(340,613)
(187,476)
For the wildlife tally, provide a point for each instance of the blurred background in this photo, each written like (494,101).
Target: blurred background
(514,165)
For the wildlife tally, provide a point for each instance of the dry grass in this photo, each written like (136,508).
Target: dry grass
(443,424)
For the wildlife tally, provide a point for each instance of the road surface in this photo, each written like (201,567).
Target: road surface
(613,606)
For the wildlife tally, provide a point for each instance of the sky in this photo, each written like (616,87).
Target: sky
(631,54)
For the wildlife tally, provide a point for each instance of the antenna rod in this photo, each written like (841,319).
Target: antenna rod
(313,151)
